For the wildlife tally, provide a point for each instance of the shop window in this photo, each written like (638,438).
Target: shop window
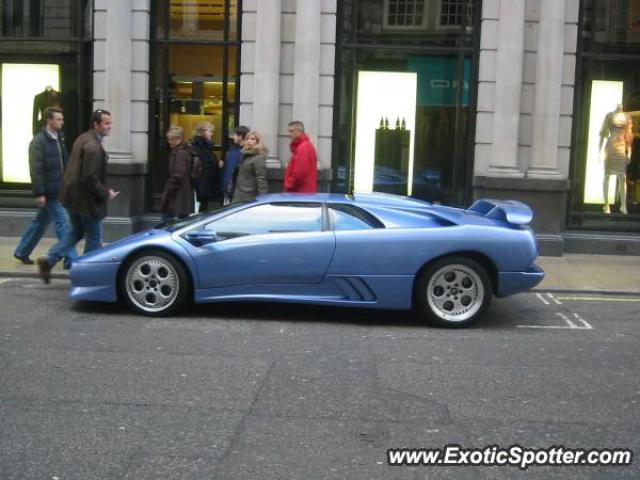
(405,141)
(195,74)
(606,154)
(35,74)
(415,139)
(196,87)
(43,18)
(39,87)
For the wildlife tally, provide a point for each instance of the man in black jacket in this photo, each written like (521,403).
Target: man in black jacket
(47,161)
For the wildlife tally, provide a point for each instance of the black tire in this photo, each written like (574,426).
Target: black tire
(453,292)
(154,283)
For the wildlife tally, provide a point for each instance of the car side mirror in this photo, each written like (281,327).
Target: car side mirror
(201,237)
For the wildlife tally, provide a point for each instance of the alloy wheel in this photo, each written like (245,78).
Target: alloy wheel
(152,283)
(455,293)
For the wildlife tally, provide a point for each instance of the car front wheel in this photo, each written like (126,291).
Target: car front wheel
(453,292)
(154,283)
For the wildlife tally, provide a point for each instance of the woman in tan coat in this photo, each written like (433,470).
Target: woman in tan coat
(251,175)
(177,198)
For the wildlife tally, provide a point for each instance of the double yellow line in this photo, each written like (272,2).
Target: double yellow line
(601,299)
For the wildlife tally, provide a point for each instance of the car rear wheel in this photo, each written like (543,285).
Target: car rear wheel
(453,292)
(154,283)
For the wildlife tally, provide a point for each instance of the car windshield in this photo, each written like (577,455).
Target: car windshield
(178,223)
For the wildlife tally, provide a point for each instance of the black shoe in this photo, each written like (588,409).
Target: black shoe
(44,268)
(24,259)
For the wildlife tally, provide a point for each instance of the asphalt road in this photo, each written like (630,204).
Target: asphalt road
(89,391)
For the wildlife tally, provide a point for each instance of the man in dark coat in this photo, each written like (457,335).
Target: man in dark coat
(207,186)
(302,172)
(47,161)
(84,192)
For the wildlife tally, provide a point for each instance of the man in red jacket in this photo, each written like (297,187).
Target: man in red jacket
(302,172)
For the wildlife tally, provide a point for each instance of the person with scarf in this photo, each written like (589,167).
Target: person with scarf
(177,198)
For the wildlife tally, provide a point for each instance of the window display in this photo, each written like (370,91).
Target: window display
(49,97)
(605,96)
(406,140)
(46,58)
(378,147)
(39,87)
(616,136)
(606,145)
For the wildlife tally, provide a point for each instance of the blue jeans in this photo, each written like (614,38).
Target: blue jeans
(82,226)
(52,210)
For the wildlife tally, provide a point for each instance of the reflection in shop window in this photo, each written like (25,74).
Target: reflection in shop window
(41,18)
(611,22)
(454,13)
(413,14)
(201,19)
(196,87)
(405,13)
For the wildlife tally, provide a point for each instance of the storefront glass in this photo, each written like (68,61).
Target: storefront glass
(606,156)
(45,52)
(195,75)
(404,97)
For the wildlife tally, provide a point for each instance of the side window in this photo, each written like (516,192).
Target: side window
(347,217)
(269,218)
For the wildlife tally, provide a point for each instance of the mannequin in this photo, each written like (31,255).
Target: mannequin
(616,135)
(47,98)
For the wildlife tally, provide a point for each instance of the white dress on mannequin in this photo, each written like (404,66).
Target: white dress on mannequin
(617,130)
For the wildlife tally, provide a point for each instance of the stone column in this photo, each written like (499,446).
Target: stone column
(548,91)
(306,83)
(267,72)
(120,86)
(509,58)
(117,78)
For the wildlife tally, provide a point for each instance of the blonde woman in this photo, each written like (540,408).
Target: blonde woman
(177,198)
(251,176)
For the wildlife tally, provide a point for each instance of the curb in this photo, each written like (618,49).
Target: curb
(57,275)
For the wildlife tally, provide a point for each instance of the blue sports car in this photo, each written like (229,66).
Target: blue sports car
(368,250)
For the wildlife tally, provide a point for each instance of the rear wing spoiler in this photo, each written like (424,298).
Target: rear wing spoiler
(511,211)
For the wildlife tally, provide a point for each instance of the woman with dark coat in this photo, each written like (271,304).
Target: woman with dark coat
(208,186)
(231,162)
(177,198)
(251,177)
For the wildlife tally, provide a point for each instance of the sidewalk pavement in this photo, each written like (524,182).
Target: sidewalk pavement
(570,273)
